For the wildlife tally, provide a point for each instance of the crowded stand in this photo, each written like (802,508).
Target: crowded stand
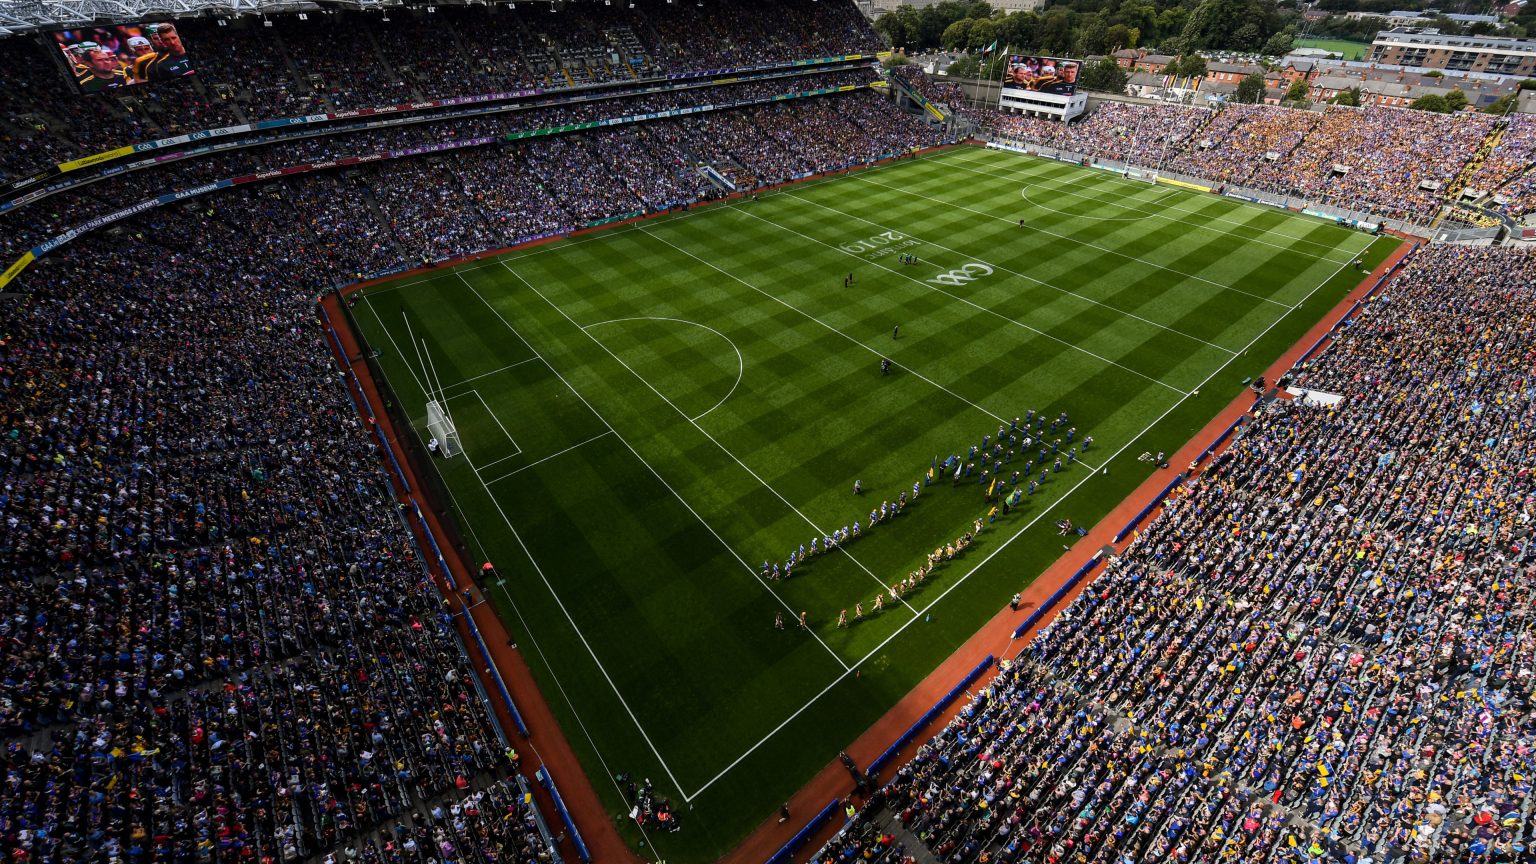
(1506,169)
(949,97)
(1396,163)
(206,572)
(24,227)
(221,643)
(1314,652)
(355,60)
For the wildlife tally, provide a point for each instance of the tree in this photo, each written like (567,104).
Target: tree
(958,34)
(1056,31)
(983,34)
(1019,29)
(1350,97)
(1188,66)
(965,67)
(1456,100)
(895,60)
(1093,37)
(1503,105)
(1119,36)
(1105,76)
(1298,91)
(1250,90)
(899,27)
(1279,44)
(1431,102)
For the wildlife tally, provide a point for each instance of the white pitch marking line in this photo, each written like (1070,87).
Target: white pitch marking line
(824,324)
(498,422)
(796,510)
(492,372)
(520,254)
(741,364)
(1132,440)
(549,457)
(1069,238)
(390,333)
(977,306)
(1027,173)
(654,473)
(1025,276)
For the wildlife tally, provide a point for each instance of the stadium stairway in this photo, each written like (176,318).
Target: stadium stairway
(1453,191)
(382,61)
(933,111)
(293,67)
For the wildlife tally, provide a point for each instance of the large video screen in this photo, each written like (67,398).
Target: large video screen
(124,55)
(1043,74)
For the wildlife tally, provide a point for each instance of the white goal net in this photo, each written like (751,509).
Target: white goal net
(440,425)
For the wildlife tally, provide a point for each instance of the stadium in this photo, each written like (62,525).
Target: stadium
(627,430)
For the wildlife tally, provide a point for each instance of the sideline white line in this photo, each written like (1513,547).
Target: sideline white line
(1025,276)
(723,449)
(566,242)
(1047,509)
(1070,239)
(808,316)
(391,334)
(974,305)
(549,457)
(741,364)
(532,639)
(654,473)
(528,553)
(492,372)
(1015,175)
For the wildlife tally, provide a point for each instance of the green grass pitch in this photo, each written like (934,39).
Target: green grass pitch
(652,411)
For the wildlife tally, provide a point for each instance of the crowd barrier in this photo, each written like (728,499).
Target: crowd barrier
(1267,197)
(938,707)
(369,416)
(568,95)
(787,851)
(1221,439)
(548,783)
(1349,316)
(469,621)
(52,243)
(1045,608)
(1147,510)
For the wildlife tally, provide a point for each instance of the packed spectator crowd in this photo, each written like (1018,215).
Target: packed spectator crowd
(247,72)
(948,97)
(1397,164)
(219,642)
(1319,651)
(26,226)
(1510,166)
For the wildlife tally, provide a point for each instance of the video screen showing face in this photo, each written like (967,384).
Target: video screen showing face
(1043,74)
(124,55)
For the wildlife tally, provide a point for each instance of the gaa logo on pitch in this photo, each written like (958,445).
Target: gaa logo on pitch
(963,275)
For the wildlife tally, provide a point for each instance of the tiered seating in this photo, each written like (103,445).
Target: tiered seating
(1320,648)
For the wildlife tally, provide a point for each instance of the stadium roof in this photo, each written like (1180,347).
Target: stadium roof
(19,16)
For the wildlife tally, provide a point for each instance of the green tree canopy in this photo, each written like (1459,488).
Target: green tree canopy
(1431,102)
(1250,90)
(1106,76)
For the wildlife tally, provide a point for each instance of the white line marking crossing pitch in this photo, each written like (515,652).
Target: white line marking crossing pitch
(1070,239)
(927,609)
(741,365)
(654,473)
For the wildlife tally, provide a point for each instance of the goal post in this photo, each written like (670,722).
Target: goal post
(441,427)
